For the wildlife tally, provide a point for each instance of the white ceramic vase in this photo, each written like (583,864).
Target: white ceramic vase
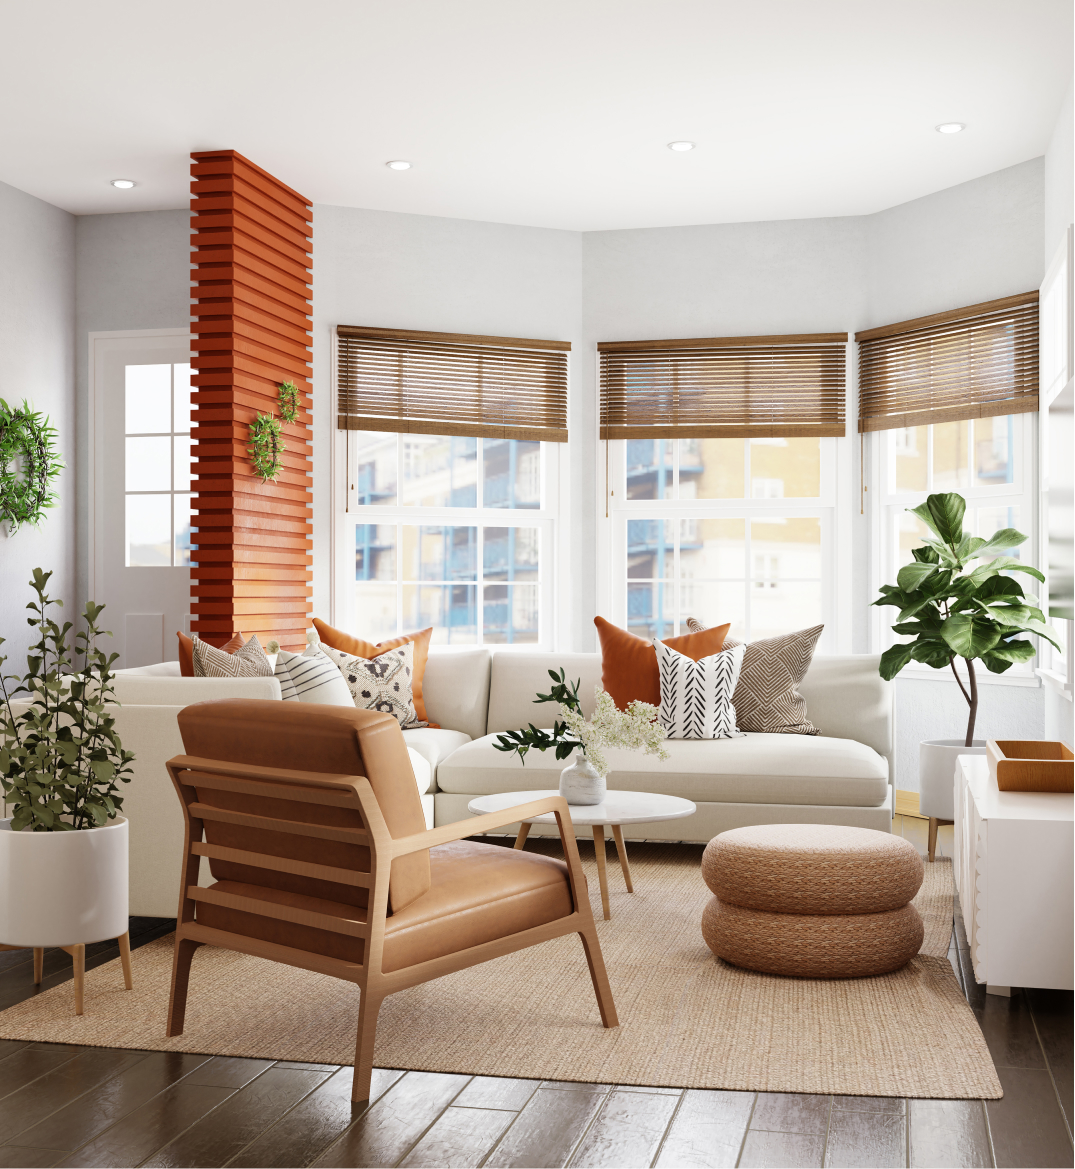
(936,774)
(581,782)
(62,888)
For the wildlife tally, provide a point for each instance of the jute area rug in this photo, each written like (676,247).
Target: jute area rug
(686,1019)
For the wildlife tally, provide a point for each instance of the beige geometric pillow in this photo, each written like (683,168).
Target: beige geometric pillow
(248,662)
(767,697)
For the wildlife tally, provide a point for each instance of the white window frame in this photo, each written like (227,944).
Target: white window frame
(887,504)
(826,506)
(346,514)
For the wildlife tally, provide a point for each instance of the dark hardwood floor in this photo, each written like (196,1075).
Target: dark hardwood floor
(95,1106)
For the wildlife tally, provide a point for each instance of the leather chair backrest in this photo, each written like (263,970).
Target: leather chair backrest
(334,740)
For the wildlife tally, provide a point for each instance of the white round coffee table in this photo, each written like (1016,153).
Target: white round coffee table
(617,808)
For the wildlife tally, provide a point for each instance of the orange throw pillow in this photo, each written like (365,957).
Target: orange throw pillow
(347,644)
(629,668)
(186,651)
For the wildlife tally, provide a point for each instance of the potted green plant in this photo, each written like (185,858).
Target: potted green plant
(951,609)
(63,846)
(583,780)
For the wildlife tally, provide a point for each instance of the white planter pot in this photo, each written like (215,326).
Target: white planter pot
(581,782)
(62,888)
(936,775)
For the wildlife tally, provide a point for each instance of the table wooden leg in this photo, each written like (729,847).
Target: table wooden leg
(78,957)
(125,959)
(524,832)
(599,852)
(621,852)
(39,964)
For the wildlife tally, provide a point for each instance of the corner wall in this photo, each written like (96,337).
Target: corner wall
(37,310)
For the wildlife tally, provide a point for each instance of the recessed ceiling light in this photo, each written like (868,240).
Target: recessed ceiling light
(398,164)
(950,127)
(681,146)
(124,184)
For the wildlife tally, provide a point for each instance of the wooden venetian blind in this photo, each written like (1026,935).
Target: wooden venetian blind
(724,387)
(452,383)
(972,362)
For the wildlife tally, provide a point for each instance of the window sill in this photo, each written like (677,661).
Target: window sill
(985,678)
(1056,681)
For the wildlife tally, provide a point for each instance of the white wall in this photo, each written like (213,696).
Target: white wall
(446,275)
(37,299)
(132,271)
(1060,177)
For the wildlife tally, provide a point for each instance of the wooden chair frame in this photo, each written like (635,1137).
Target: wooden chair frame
(356,794)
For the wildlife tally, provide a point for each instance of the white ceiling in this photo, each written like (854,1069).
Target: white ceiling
(554,113)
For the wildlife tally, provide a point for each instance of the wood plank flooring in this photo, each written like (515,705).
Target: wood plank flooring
(63,1105)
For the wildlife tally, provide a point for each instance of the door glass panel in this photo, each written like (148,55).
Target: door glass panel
(149,464)
(149,531)
(712,468)
(149,399)
(452,610)
(510,613)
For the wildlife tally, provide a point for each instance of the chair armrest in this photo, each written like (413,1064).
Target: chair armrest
(463,828)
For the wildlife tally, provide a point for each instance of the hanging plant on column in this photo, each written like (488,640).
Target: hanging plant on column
(266,447)
(29,462)
(289,402)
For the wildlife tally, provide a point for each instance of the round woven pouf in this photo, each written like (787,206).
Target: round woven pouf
(812,900)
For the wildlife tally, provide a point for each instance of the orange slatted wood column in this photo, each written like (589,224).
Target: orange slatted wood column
(252,273)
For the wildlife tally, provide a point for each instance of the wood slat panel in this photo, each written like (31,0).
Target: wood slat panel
(251,320)
(202,811)
(279,864)
(321,921)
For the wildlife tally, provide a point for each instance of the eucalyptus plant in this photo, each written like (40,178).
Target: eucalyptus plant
(61,760)
(951,610)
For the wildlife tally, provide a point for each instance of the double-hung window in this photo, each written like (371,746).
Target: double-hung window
(721,482)
(952,401)
(449,447)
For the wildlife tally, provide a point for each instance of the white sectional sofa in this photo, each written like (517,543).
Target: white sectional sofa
(843,776)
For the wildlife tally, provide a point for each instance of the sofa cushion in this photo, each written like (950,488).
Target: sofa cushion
(757,768)
(157,690)
(433,744)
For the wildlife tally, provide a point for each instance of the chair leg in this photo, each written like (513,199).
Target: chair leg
(599,976)
(177,1001)
(367,1034)
(78,960)
(524,832)
(39,964)
(932,837)
(125,959)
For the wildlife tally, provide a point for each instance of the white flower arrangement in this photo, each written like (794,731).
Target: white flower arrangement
(636,729)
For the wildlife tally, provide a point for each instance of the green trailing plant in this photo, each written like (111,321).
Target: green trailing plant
(266,447)
(29,463)
(950,610)
(289,402)
(566,695)
(61,760)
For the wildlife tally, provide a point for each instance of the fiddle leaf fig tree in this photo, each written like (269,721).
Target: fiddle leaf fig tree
(952,610)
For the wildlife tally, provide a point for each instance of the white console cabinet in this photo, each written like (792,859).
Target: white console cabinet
(1013,867)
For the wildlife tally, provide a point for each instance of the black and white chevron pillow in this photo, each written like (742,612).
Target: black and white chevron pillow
(696,697)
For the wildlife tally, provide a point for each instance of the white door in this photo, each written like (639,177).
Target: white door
(140,514)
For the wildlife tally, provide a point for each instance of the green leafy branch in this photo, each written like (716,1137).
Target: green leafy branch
(266,447)
(289,402)
(61,760)
(950,610)
(519,742)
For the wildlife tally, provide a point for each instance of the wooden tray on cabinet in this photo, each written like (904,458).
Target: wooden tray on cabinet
(1031,765)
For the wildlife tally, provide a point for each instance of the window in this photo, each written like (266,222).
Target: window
(450,532)
(695,536)
(986,460)
(158,458)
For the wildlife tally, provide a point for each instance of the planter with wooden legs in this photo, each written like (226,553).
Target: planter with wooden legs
(65,890)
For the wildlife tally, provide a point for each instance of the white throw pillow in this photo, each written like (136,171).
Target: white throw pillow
(696,697)
(381,683)
(247,662)
(311,678)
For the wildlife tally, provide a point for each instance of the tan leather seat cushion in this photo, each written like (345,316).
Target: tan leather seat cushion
(812,869)
(478,893)
(801,945)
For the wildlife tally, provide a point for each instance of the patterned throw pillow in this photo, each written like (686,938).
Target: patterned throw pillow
(311,678)
(381,683)
(248,662)
(767,698)
(696,696)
